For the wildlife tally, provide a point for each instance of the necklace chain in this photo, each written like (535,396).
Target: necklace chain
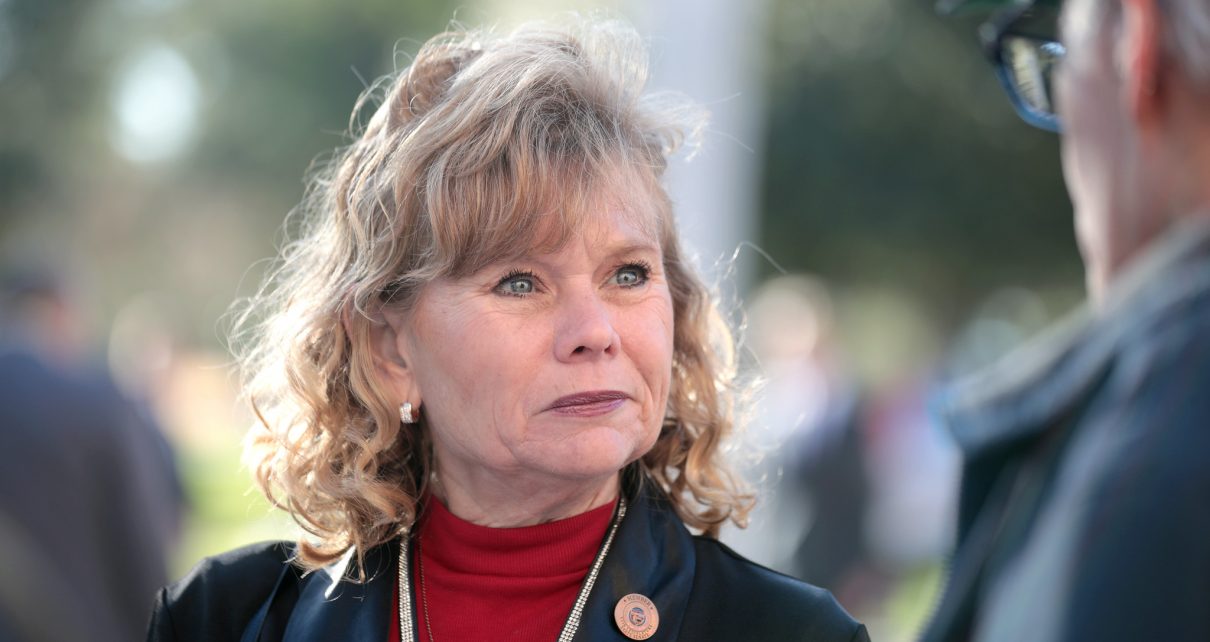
(407,628)
(424,593)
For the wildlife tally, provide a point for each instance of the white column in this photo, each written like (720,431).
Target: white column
(713,51)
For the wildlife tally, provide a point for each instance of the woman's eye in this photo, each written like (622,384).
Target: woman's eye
(629,276)
(517,285)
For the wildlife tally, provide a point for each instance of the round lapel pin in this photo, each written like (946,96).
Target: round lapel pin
(636,617)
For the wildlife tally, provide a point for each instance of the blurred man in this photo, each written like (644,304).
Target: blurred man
(1085,510)
(89,498)
(810,520)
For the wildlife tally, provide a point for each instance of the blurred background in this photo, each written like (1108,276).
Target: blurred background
(872,209)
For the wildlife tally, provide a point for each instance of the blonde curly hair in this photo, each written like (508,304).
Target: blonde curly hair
(473,146)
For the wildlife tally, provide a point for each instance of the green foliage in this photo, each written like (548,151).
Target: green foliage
(894,158)
(224,509)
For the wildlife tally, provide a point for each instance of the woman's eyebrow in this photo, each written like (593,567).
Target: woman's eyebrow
(633,247)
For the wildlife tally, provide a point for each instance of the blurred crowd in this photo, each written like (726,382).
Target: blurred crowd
(857,478)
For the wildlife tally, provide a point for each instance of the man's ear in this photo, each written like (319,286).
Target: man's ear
(1141,53)
(390,349)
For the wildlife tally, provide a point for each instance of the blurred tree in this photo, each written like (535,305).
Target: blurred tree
(46,89)
(893,158)
(276,83)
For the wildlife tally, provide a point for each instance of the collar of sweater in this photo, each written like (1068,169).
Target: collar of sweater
(562,547)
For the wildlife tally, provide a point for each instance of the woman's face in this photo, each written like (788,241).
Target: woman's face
(552,367)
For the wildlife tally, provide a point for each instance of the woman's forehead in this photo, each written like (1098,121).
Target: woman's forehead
(612,227)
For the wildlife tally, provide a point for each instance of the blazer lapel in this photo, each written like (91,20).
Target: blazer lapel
(653,556)
(331,607)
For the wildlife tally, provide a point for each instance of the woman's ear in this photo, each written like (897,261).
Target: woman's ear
(390,349)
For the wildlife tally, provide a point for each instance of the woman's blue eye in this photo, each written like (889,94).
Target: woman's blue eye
(517,284)
(521,286)
(631,275)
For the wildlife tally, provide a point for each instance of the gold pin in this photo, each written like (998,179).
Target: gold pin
(636,617)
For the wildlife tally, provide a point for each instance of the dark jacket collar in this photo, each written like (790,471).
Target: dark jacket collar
(1023,395)
(652,555)
(330,606)
(1024,403)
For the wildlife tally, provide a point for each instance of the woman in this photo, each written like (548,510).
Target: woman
(488,347)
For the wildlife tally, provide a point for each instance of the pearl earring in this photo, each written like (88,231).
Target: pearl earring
(407,414)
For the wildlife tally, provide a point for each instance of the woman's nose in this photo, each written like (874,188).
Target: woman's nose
(585,328)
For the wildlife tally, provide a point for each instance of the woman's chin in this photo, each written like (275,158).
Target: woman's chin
(594,453)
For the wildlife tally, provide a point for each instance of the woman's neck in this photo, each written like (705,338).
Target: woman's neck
(486,499)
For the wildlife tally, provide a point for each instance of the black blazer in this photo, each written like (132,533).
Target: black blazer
(702,589)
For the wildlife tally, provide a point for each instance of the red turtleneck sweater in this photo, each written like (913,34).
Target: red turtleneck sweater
(485,583)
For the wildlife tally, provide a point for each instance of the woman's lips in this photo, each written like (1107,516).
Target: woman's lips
(589,404)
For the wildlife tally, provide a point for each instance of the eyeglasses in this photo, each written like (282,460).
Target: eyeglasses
(1025,62)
